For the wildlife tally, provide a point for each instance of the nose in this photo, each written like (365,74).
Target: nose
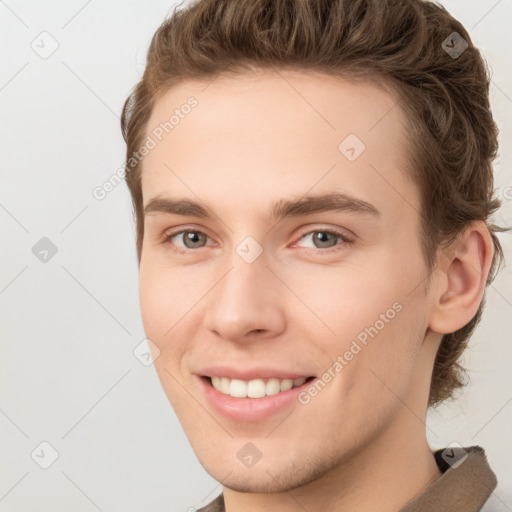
(248,302)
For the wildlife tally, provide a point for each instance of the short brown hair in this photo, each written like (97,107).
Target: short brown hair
(397,43)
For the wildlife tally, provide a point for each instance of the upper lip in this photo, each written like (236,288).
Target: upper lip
(250,374)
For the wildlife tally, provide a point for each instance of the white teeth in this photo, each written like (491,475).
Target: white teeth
(286,384)
(238,388)
(273,386)
(224,385)
(256,388)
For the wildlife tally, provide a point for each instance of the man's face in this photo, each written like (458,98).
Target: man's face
(251,297)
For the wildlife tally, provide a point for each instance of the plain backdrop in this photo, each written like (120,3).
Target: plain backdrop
(73,395)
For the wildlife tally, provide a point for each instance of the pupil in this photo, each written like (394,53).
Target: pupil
(322,236)
(192,237)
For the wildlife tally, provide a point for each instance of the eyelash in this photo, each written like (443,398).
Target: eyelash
(345,239)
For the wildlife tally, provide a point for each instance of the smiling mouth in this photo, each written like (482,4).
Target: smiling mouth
(256,388)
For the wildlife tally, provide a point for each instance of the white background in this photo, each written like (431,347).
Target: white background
(69,326)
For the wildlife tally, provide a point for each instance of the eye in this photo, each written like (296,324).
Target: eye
(190,239)
(326,239)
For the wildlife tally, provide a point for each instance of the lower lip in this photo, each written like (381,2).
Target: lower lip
(249,409)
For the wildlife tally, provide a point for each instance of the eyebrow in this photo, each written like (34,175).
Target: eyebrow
(307,205)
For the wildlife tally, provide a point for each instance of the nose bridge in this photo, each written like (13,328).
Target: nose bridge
(242,301)
(248,263)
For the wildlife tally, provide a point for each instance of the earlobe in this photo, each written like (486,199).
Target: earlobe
(461,277)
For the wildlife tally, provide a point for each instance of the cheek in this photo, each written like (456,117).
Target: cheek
(165,294)
(367,315)
(152,301)
(348,299)
(162,304)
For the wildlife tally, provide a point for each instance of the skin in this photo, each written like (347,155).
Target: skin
(255,139)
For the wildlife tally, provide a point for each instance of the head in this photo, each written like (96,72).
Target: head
(282,109)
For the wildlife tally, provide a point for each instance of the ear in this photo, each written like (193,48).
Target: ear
(461,279)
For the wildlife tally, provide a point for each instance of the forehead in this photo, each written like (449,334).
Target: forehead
(269,134)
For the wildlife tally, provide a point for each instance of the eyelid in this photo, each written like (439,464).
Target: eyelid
(327,229)
(183,229)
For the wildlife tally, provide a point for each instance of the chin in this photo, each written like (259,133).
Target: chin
(268,477)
